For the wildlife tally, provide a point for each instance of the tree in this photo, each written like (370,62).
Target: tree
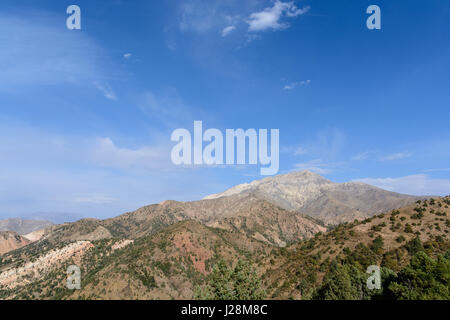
(377,245)
(423,279)
(238,283)
(414,246)
(343,282)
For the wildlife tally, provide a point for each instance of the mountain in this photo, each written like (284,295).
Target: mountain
(23,227)
(317,197)
(388,240)
(246,213)
(167,250)
(10,240)
(172,262)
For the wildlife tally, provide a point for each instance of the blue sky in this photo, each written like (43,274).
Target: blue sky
(86,115)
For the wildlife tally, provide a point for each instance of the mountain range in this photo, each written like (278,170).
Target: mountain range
(23,226)
(165,250)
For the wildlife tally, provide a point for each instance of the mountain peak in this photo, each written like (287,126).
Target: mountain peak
(304,176)
(310,193)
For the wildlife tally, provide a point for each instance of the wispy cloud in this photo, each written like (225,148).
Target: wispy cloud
(361,156)
(438,170)
(66,57)
(107,91)
(200,16)
(300,151)
(168,107)
(294,85)
(318,166)
(53,172)
(326,145)
(418,184)
(127,56)
(270,18)
(296,151)
(226,31)
(396,156)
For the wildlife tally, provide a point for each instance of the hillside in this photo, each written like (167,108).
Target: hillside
(387,240)
(166,265)
(315,196)
(10,240)
(172,262)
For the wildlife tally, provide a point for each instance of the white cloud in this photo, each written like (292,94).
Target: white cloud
(25,146)
(396,156)
(419,184)
(127,55)
(297,84)
(226,31)
(270,17)
(107,91)
(48,172)
(106,153)
(200,16)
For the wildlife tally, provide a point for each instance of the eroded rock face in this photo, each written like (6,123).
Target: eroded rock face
(313,195)
(10,240)
(34,269)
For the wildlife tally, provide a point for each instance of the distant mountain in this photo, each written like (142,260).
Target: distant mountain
(23,227)
(315,196)
(54,216)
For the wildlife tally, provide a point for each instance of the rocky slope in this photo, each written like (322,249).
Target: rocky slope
(315,196)
(10,240)
(166,265)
